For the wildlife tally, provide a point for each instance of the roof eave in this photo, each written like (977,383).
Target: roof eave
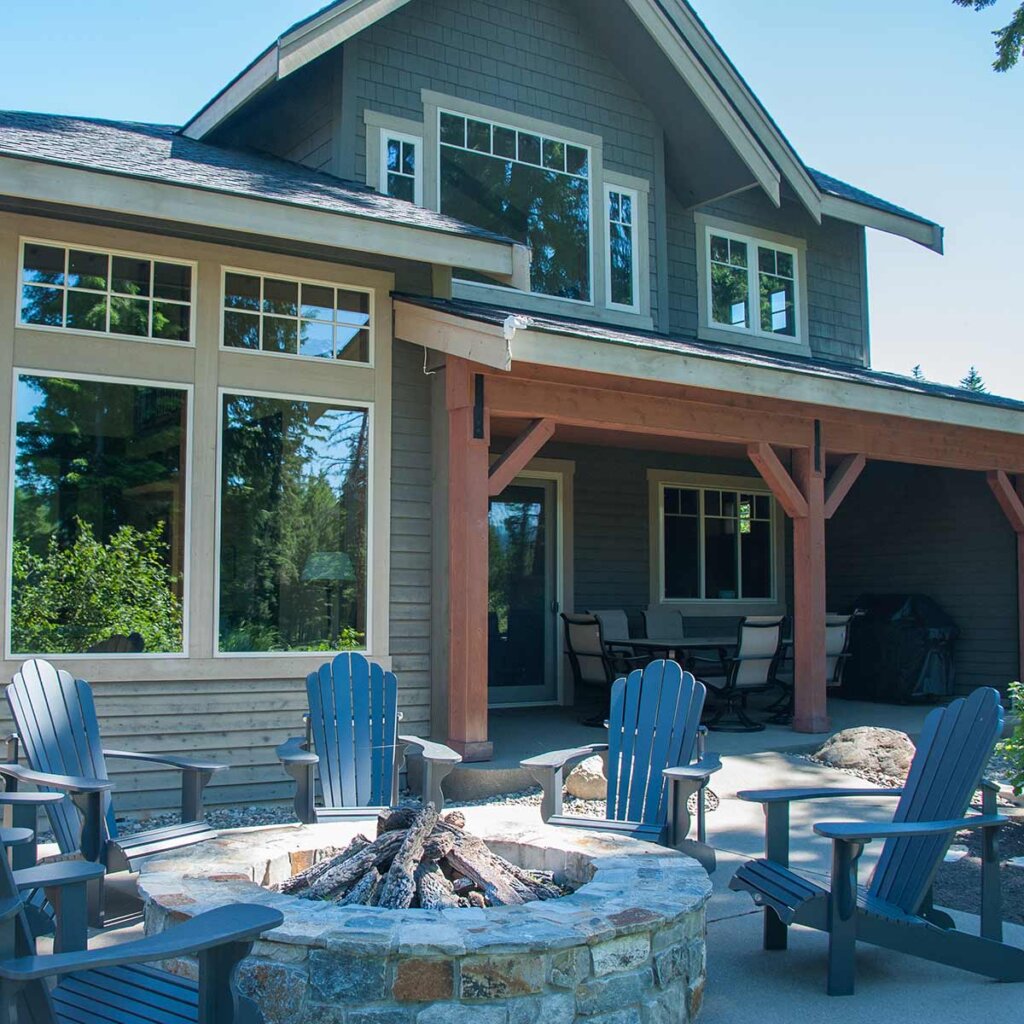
(925,233)
(260,74)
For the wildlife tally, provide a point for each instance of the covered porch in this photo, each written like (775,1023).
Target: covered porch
(877,485)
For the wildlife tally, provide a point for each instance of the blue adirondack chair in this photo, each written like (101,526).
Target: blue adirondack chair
(114,985)
(895,909)
(58,731)
(655,762)
(352,738)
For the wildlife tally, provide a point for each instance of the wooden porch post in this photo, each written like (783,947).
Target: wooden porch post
(1011,499)
(809,673)
(468,444)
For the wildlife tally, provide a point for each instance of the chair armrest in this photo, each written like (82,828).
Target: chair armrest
(65,783)
(560,758)
(243,922)
(702,769)
(431,751)
(865,832)
(294,751)
(789,796)
(32,799)
(171,760)
(61,872)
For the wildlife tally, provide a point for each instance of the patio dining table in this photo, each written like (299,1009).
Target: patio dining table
(672,644)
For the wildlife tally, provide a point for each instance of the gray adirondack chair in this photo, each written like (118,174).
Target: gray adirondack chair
(655,762)
(57,728)
(114,985)
(352,738)
(895,909)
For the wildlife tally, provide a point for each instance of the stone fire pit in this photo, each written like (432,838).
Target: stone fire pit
(627,946)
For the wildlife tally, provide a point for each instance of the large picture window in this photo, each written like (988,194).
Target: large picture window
(98,538)
(717,545)
(100,292)
(293,525)
(526,186)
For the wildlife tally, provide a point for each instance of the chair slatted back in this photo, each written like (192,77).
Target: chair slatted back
(757,649)
(34,1005)
(55,717)
(652,725)
(952,752)
(664,623)
(353,719)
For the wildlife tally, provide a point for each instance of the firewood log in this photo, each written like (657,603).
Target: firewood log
(470,857)
(396,819)
(362,892)
(344,875)
(433,890)
(332,857)
(454,818)
(400,884)
(438,846)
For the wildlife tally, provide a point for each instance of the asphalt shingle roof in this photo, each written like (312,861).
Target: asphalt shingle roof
(834,187)
(495,315)
(158,153)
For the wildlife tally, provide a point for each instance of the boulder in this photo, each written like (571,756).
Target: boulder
(587,780)
(869,750)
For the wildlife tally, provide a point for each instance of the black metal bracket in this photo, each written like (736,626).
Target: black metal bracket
(478,407)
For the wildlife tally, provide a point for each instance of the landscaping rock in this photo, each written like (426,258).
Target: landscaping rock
(869,751)
(587,780)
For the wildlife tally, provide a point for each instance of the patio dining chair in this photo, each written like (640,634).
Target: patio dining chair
(837,653)
(116,985)
(750,669)
(615,624)
(352,746)
(660,621)
(594,664)
(895,909)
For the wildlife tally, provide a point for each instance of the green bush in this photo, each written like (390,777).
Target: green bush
(1012,749)
(72,597)
(249,636)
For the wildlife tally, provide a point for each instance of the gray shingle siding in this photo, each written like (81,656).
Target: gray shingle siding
(940,532)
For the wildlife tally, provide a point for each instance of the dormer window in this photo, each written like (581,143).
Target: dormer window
(401,174)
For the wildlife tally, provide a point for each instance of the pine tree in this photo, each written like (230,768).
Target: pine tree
(973,381)
(917,373)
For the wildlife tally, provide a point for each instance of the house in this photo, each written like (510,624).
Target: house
(440,317)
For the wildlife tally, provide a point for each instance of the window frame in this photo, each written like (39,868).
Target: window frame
(753,336)
(370,329)
(169,385)
(639,208)
(658,481)
(386,135)
(371,530)
(56,243)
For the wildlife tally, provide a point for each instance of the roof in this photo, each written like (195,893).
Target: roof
(841,190)
(159,153)
(495,316)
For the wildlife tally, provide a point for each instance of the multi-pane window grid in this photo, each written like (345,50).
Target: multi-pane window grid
(400,167)
(740,511)
(523,147)
(289,317)
(82,289)
(733,278)
(621,257)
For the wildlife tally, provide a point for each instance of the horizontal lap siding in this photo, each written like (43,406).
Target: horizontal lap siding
(914,529)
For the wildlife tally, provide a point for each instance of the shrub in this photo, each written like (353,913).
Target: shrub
(1012,749)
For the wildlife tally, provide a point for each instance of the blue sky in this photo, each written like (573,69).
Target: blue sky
(897,98)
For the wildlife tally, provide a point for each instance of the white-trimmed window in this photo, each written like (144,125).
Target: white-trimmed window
(401,166)
(527,185)
(99,537)
(294,515)
(293,317)
(622,274)
(716,543)
(752,285)
(100,291)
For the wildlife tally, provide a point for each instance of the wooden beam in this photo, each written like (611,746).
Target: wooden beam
(468,507)
(1008,498)
(518,454)
(839,483)
(809,662)
(774,474)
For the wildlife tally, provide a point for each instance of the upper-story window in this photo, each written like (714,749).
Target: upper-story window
(286,316)
(401,172)
(526,185)
(103,292)
(752,285)
(623,205)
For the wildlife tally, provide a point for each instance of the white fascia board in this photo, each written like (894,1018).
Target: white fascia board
(452,335)
(261,73)
(928,235)
(707,90)
(330,29)
(206,208)
(767,132)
